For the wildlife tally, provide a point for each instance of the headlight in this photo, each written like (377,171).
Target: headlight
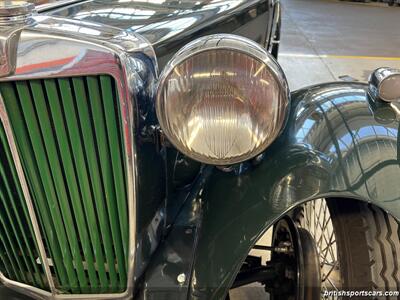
(222,99)
(384,83)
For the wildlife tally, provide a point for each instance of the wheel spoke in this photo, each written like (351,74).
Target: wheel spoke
(330,271)
(333,242)
(317,220)
(328,243)
(334,286)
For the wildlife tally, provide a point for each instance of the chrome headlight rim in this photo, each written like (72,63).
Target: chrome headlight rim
(228,42)
(378,79)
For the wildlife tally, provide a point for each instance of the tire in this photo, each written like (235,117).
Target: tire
(367,245)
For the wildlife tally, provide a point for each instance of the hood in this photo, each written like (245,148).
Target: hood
(166,24)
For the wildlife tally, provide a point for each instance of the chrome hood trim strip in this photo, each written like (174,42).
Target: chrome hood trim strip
(55,5)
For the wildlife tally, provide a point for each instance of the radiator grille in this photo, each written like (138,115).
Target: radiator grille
(68,134)
(18,250)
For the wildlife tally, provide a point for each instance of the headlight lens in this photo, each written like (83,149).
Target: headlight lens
(390,88)
(222,105)
(384,83)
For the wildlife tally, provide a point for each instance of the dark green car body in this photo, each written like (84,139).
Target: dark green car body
(196,223)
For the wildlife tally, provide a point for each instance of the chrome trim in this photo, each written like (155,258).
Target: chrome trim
(25,289)
(7,20)
(40,294)
(376,80)
(276,14)
(275,36)
(11,8)
(225,42)
(75,48)
(9,37)
(12,17)
(15,12)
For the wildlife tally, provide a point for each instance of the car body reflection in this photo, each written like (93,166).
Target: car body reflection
(362,150)
(168,25)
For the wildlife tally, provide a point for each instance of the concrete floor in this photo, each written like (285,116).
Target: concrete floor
(324,39)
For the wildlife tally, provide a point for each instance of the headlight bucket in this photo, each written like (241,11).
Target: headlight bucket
(222,99)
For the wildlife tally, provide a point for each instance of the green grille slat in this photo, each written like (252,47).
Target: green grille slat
(5,263)
(18,248)
(92,162)
(105,170)
(117,165)
(23,226)
(68,133)
(47,208)
(71,185)
(11,250)
(38,141)
(9,253)
(84,186)
(18,231)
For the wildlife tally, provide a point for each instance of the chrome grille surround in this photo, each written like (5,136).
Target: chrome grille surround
(76,48)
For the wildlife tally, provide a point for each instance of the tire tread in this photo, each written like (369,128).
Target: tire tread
(369,247)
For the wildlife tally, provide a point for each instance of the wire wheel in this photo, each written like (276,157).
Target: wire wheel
(315,217)
(357,243)
(353,247)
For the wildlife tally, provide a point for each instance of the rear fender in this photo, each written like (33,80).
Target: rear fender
(337,143)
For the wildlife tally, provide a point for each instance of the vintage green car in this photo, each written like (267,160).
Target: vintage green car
(147,146)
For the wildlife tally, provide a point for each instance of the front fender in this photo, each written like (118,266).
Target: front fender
(337,143)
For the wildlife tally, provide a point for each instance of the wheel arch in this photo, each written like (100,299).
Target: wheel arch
(335,145)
